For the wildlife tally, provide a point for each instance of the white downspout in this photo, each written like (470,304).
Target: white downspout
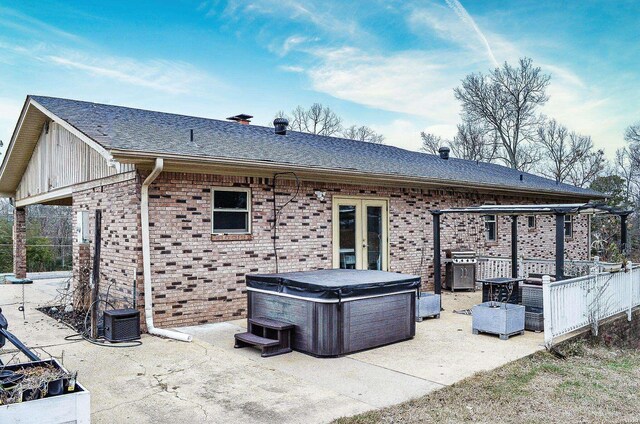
(146,260)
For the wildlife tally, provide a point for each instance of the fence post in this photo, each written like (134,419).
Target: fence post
(522,273)
(630,272)
(547,310)
(596,263)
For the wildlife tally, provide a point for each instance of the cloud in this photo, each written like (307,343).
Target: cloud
(412,82)
(173,77)
(30,26)
(468,20)
(291,68)
(333,21)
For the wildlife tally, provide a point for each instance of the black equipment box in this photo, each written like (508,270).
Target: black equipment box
(121,325)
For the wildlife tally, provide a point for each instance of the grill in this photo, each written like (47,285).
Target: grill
(460,269)
(121,325)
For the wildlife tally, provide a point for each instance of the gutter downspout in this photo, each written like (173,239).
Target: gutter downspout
(146,259)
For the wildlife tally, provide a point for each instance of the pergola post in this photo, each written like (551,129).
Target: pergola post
(623,234)
(437,263)
(560,246)
(514,246)
(20,242)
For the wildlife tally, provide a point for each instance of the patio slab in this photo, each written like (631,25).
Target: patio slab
(210,381)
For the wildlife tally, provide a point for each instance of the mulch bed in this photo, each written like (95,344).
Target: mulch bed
(74,319)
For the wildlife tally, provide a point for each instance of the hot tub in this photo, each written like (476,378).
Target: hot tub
(337,311)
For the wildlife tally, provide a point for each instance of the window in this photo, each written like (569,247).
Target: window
(490,227)
(531,221)
(230,210)
(82,227)
(568,226)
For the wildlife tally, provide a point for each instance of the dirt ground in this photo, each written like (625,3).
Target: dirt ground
(591,384)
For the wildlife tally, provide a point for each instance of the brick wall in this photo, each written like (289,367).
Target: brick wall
(121,249)
(20,243)
(199,278)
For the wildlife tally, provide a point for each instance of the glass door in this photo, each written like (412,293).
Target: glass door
(360,233)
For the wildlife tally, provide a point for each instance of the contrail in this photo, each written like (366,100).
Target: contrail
(465,17)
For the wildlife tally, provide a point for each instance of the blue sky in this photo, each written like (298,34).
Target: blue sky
(391,65)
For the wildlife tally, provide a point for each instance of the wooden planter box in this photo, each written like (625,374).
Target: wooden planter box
(505,320)
(428,305)
(69,407)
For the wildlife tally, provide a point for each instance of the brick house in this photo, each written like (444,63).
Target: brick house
(191,205)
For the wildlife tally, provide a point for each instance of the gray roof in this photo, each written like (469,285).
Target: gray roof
(123,128)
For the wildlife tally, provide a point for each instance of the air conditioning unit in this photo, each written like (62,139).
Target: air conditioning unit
(121,325)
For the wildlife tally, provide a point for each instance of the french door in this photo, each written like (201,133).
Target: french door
(360,239)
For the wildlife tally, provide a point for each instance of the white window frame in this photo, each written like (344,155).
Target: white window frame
(486,232)
(568,219)
(247,210)
(535,222)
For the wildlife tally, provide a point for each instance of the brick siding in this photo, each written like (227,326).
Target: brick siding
(121,249)
(20,243)
(200,278)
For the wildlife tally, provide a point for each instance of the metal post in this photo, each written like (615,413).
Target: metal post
(514,246)
(630,272)
(559,246)
(623,234)
(547,310)
(437,265)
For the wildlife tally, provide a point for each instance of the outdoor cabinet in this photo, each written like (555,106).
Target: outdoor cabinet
(460,276)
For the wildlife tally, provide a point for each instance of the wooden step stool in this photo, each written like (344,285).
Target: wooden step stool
(270,336)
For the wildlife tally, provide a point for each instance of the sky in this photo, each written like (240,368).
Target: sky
(391,65)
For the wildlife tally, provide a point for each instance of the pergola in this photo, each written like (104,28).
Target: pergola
(514,211)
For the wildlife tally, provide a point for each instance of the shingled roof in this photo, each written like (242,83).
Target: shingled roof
(126,129)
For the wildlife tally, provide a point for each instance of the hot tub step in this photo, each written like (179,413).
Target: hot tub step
(269,347)
(271,323)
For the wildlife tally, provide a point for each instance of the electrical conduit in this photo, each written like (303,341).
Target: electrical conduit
(146,260)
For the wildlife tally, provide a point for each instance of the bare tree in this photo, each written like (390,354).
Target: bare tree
(625,167)
(587,169)
(318,119)
(430,143)
(474,143)
(321,120)
(506,101)
(568,155)
(362,133)
(632,133)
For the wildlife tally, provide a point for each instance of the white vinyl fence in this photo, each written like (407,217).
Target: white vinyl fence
(580,302)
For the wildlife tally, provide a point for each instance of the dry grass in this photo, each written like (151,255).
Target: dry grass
(592,384)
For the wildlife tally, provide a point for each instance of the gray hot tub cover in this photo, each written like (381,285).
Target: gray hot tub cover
(334,284)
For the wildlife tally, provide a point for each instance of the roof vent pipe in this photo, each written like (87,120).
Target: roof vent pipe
(444,152)
(280,126)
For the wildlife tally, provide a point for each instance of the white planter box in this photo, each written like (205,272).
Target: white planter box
(428,305)
(505,320)
(62,409)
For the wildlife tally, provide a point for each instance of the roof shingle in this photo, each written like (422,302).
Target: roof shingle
(123,128)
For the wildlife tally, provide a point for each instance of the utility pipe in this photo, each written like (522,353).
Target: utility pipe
(146,260)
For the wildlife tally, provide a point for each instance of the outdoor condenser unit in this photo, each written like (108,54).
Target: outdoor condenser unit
(121,325)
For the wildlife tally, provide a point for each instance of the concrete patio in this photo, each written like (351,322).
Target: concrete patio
(210,381)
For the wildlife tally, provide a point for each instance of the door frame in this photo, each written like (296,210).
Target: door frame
(361,203)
